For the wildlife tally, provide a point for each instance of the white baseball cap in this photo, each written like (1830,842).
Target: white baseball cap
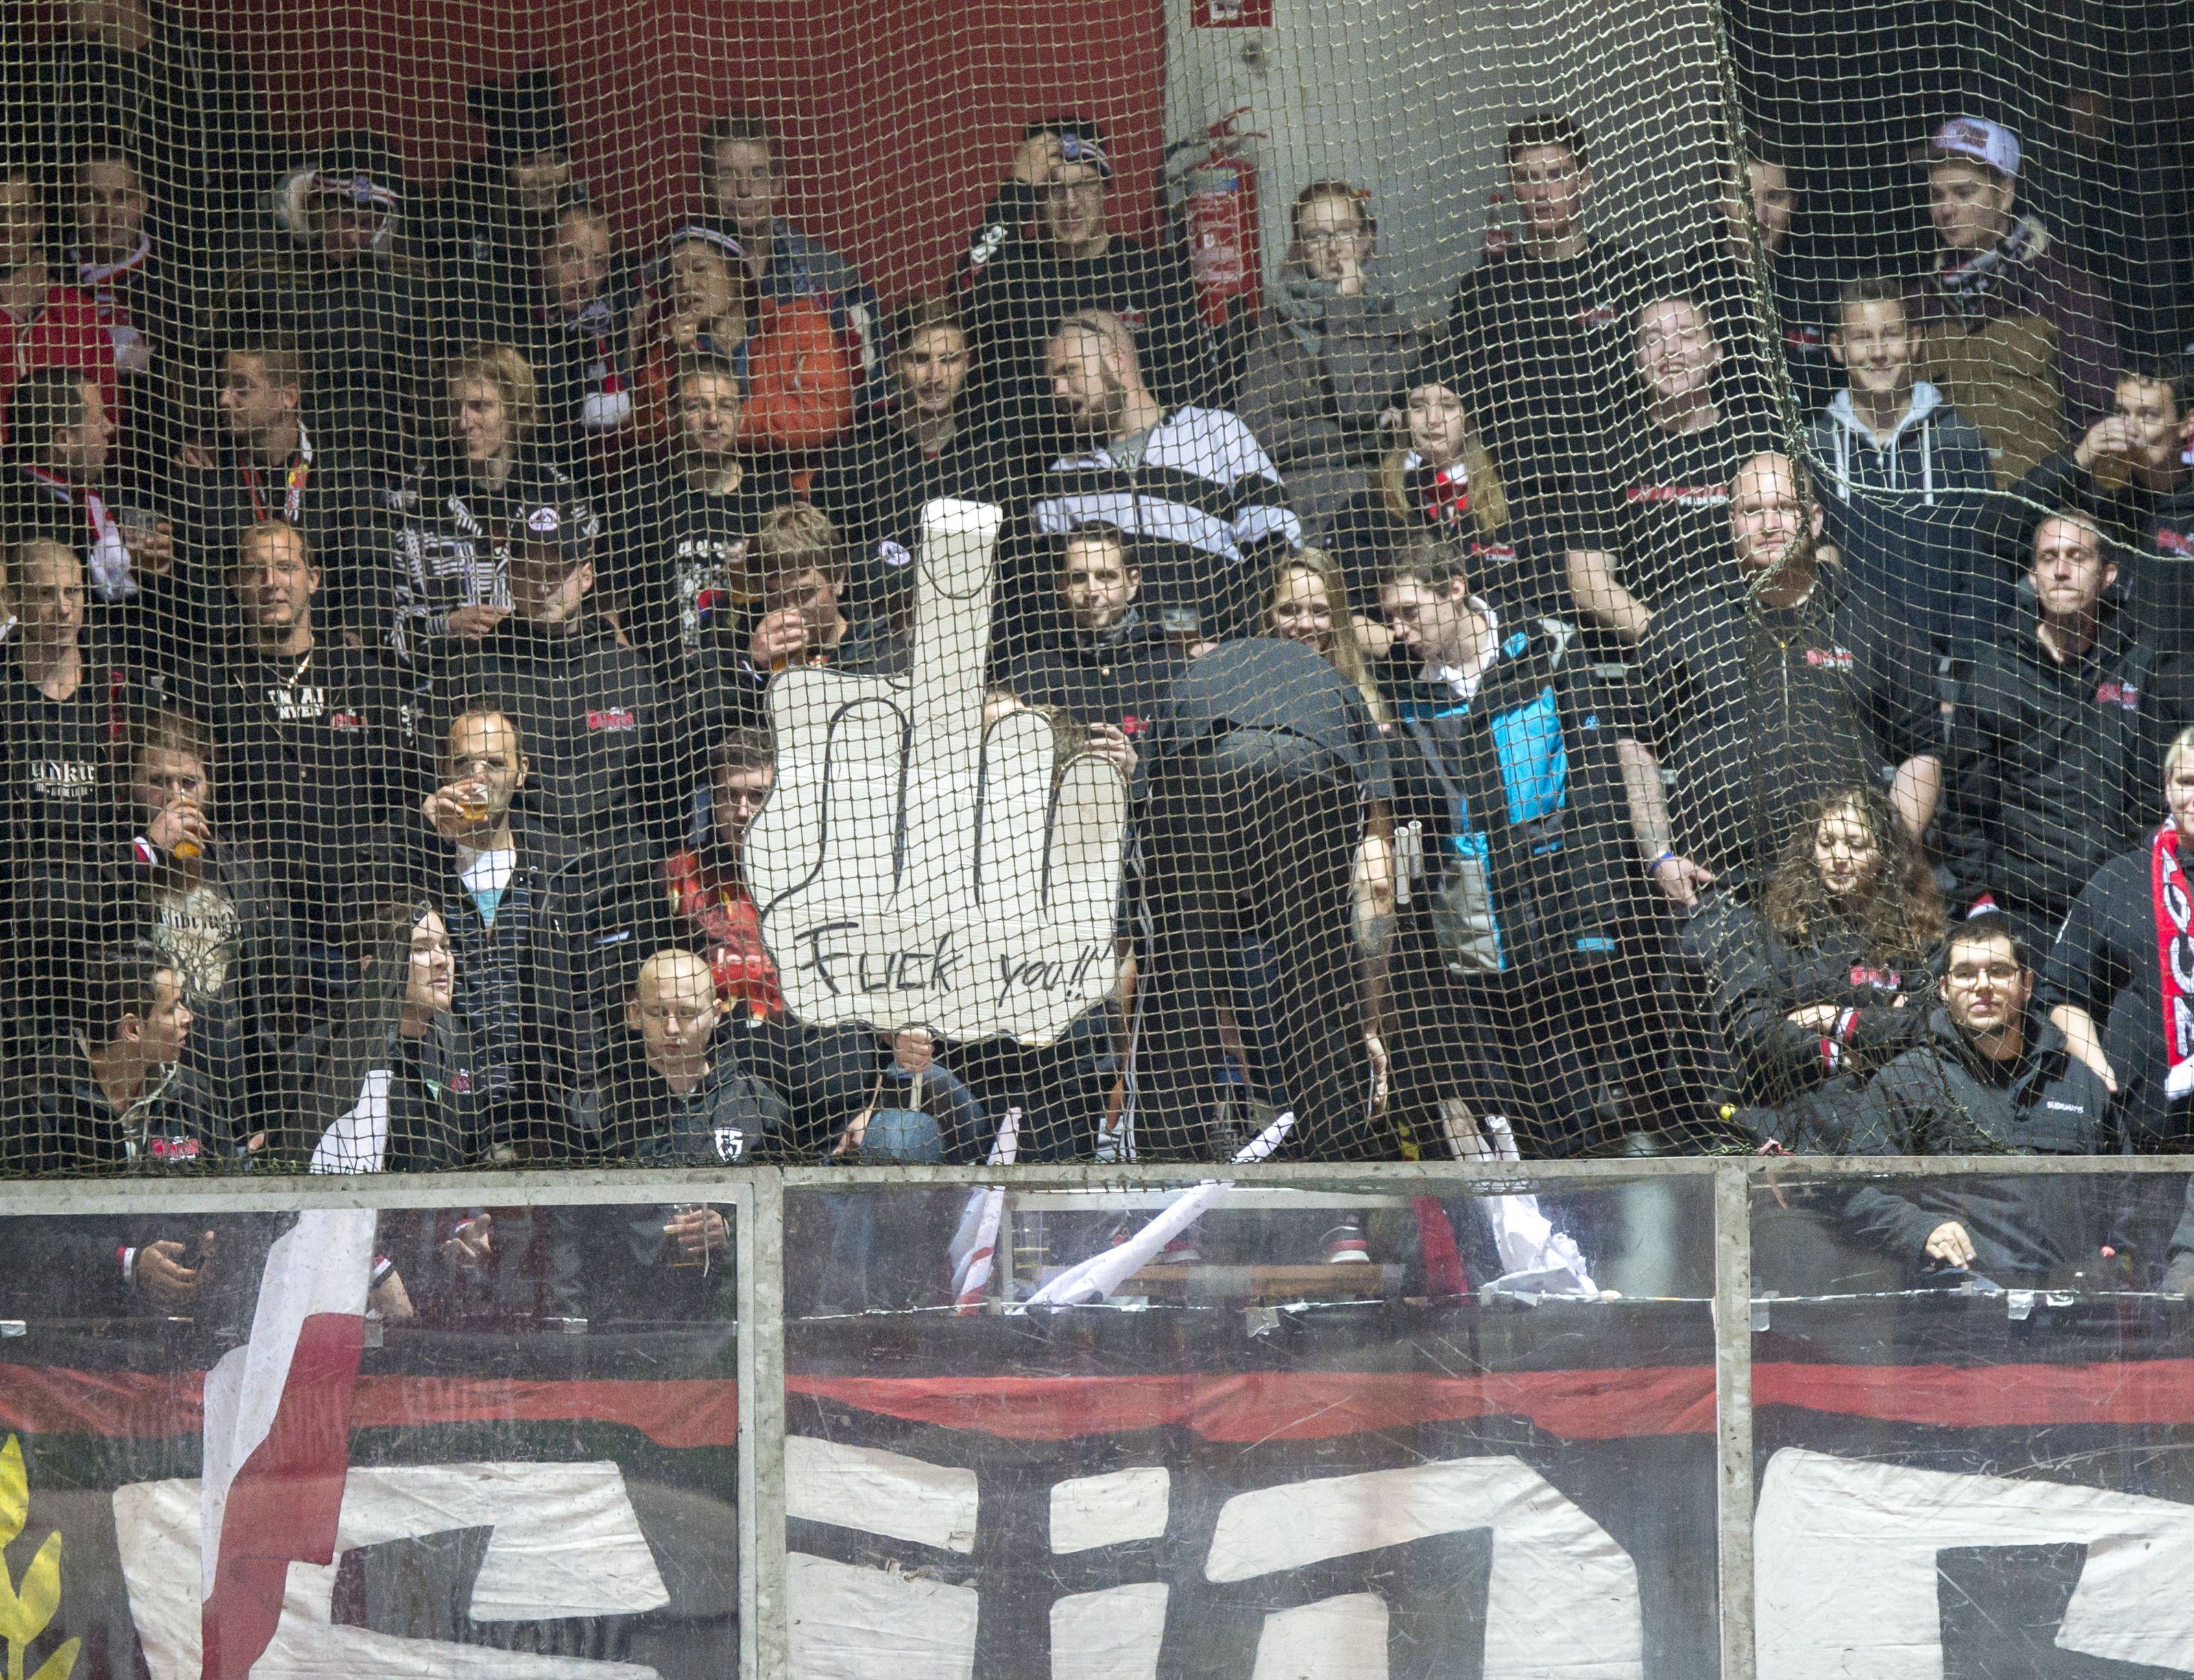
(1979,140)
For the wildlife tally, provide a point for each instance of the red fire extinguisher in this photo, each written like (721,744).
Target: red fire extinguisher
(1219,215)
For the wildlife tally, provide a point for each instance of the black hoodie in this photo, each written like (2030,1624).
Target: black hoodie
(603,736)
(56,1119)
(2051,768)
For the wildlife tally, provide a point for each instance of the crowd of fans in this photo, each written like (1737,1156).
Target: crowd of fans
(394,582)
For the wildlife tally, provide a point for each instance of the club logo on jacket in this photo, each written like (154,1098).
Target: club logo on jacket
(1879,979)
(2127,695)
(1830,658)
(2178,542)
(1597,315)
(615,717)
(1684,496)
(60,779)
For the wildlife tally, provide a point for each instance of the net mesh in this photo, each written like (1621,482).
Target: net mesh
(917,583)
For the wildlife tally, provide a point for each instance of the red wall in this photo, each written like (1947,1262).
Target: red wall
(898,115)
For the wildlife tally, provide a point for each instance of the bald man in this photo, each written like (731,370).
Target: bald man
(668,1099)
(1763,686)
(670,1096)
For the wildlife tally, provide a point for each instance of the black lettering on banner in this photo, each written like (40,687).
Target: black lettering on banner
(1053,975)
(844,967)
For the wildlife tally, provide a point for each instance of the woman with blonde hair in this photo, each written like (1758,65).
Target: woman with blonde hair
(1332,348)
(1306,602)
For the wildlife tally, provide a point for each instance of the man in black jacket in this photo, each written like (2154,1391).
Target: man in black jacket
(1995,1078)
(925,443)
(1541,331)
(1107,664)
(2051,739)
(1764,689)
(601,730)
(1047,249)
(1256,796)
(310,733)
(2130,469)
(272,466)
(689,577)
(671,1097)
(497,877)
(114,1097)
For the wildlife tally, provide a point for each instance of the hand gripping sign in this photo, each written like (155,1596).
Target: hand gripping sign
(911,865)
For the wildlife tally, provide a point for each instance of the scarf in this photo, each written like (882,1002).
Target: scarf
(2174,957)
(107,555)
(1301,306)
(1443,494)
(294,478)
(98,278)
(1970,285)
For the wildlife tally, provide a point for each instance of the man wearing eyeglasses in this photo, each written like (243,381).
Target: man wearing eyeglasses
(1047,250)
(1994,1077)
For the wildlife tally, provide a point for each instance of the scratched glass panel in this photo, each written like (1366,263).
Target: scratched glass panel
(1973,1409)
(1257,1431)
(533,1468)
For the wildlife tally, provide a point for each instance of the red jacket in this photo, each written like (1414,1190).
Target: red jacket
(721,907)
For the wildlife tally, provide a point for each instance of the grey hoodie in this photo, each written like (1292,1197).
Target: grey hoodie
(1903,509)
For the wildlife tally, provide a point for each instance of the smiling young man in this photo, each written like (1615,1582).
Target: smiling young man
(1656,528)
(1902,472)
(1994,1078)
(2052,738)
(1107,662)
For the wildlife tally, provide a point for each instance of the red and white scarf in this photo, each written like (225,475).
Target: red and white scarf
(101,280)
(2174,957)
(294,478)
(106,553)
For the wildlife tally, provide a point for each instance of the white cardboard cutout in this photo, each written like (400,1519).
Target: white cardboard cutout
(911,868)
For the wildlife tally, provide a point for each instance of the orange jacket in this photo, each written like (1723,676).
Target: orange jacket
(800,379)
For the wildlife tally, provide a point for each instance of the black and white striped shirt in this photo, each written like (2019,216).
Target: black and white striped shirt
(1203,479)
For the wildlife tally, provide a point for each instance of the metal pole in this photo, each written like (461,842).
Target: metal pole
(1733,1192)
(765,1646)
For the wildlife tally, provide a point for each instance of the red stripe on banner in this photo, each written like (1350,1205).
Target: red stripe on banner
(680,1411)
(1986,1397)
(285,1495)
(685,1411)
(1287,1405)
(1581,1405)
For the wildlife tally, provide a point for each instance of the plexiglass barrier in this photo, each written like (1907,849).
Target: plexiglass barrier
(1665,1419)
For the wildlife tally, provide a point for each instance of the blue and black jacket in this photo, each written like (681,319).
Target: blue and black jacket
(1525,775)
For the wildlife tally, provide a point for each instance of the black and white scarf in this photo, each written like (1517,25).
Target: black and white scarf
(1971,283)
